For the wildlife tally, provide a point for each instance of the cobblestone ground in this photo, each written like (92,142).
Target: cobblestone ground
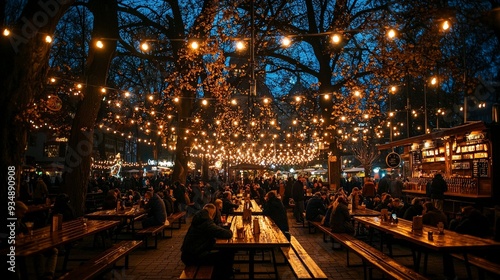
(164,262)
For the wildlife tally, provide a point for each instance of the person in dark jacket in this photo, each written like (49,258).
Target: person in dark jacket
(298,197)
(383,185)
(197,247)
(227,205)
(415,209)
(315,210)
(274,209)
(438,188)
(157,213)
(432,216)
(471,221)
(61,206)
(340,220)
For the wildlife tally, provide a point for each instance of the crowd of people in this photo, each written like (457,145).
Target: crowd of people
(209,202)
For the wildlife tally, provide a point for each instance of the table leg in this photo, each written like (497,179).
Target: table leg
(467,266)
(251,263)
(274,263)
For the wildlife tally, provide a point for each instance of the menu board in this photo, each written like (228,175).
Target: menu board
(480,168)
(417,157)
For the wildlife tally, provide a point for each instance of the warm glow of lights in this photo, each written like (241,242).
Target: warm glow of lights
(79,86)
(266,100)
(357,93)
(286,42)
(48,39)
(194,45)
(103,90)
(297,98)
(336,38)
(234,102)
(52,80)
(217,122)
(394,89)
(391,33)
(99,44)
(434,80)
(204,102)
(176,99)
(127,94)
(342,118)
(326,96)
(446,25)
(240,45)
(145,46)
(294,122)
(235,123)
(151,97)
(366,116)
(6,32)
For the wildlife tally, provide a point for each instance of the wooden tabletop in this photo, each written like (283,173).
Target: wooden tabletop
(364,213)
(43,239)
(270,235)
(256,209)
(449,241)
(128,213)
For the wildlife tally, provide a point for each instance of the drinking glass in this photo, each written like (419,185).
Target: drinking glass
(29,227)
(440,227)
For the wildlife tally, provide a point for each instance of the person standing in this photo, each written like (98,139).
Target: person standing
(197,247)
(383,185)
(40,192)
(438,188)
(396,187)
(298,197)
(368,190)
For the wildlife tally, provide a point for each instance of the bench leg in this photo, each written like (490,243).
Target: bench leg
(156,241)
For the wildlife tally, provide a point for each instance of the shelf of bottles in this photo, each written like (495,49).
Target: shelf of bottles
(456,185)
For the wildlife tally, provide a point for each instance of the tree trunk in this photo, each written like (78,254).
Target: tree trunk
(23,74)
(81,141)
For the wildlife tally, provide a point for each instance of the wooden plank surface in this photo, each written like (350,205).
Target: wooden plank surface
(128,213)
(314,269)
(450,241)
(256,209)
(296,264)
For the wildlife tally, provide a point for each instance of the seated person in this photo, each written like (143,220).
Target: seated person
(110,200)
(397,207)
(274,209)
(340,220)
(415,209)
(227,205)
(197,247)
(61,206)
(471,221)
(432,216)
(315,209)
(355,198)
(157,213)
(218,213)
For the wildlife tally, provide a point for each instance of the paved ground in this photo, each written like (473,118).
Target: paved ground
(165,263)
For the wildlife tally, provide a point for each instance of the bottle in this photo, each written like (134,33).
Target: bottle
(256,226)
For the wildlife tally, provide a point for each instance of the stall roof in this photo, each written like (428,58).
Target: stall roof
(468,127)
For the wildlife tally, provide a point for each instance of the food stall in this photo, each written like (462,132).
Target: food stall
(464,155)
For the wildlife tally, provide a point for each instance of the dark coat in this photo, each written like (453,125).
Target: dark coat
(200,238)
(298,191)
(383,185)
(228,206)
(315,207)
(157,213)
(274,209)
(340,220)
(438,187)
(412,211)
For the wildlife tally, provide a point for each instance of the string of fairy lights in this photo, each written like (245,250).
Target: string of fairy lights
(280,148)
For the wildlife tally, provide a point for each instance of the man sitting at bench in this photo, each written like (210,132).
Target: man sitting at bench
(199,241)
(157,213)
(340,220)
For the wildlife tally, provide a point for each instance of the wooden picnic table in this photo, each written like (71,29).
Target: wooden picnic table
(256,209)
(270,237)
(447,243)
(364,212)
(44,239)
(131,213)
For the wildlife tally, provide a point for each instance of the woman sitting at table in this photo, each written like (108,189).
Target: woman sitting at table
(415,209)
(340,220)
(157,213)
(200,239)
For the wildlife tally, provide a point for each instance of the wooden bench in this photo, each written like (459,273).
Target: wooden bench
(153,231)
(481,264)
(104,261)
(302,265)
(197,272)
(172,219)
(369,255)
